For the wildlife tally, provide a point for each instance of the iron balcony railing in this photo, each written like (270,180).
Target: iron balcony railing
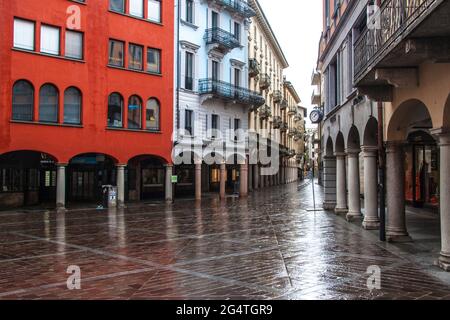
(265,81)
(265,112)
(238,6)
(277,96)
(277,121)
(395,17)
(254,67)
(283,104)
(228,91)
(221,37)
(284,126)
(292,110)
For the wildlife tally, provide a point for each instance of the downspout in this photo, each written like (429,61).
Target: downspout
(178,69)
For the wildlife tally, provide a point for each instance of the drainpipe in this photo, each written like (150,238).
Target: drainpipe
(178,68)
(381,167)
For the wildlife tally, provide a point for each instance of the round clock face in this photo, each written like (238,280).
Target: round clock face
(315,116)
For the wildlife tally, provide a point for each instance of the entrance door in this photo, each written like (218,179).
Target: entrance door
(152,183)
(47,190)
(82,185)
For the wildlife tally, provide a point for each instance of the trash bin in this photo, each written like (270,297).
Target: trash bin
(109,196)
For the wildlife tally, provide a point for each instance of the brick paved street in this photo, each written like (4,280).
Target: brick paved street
(266,247)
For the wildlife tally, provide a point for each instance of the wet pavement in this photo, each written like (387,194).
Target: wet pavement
(268,246)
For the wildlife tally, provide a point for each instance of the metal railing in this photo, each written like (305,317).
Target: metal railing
(239,6)
(277,96)
(283,104)
(254,67)
(228,91)
(221,37)
(395,17)
(277,121)
(265,81)
(265,112)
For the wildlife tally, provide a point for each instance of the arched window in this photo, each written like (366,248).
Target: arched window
(115,109)
(48,103)
(134,112)
(153,115)
(72,106)
(23,101)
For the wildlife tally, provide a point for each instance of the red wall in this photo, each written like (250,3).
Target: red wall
(92,77)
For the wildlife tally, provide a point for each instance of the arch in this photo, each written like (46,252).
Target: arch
(147,156)
(115,110)
(446,120)
(146,177)
(329,148)
(236,158)
(353,139)
(24,152)
(94,154)
(23,101)
(72,105)
(409,116)
(153,115)
(48,103)
(371,132)
(340,143)
(135,112)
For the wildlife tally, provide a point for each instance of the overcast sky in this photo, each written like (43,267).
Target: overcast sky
(297,25)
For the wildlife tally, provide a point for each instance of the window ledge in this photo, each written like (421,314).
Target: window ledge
(134,130)
(189,24)
(137,71)
(47,124)
(47,55)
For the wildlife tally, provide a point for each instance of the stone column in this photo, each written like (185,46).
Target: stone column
(371,219)
(329,182)
(243,185)
(341,192)
(395,193)
(168,184)
(223,180)
(61,186)
(256,176)
(354,189)
(121,185)
(198,181)
(444,258)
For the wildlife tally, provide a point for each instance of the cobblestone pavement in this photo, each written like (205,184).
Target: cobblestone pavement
(266,247)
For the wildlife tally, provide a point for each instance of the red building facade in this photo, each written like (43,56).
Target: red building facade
(86,99)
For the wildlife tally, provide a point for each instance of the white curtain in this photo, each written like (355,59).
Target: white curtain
(23,34)
(74,44)
(137,8)
(49,40)
(154,10)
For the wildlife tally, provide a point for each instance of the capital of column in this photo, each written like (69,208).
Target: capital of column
(62,165)
(340,154)
(369,151)
(168,165)
(121,166)
(352,152)
(444,139)
(394,146)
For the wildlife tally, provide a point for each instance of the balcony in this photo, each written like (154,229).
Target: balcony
(254,68)
(292,110)
(228,92)
(277,121)
(315,78)
(284,127)
(277,96)
(221,40)
(239,7)
(265,113)
(297,118)
(315,97)
(283,104)
(265,82)
(410,33)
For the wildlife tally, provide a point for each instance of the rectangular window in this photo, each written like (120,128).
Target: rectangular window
(237,31)
(154,60)
(49,40)
(214,125)
(190,11)
(215,70)
(237,126)
(154,10)
(117,5)
(74,44)
(237,77)
(137,8)
(189,81)
(188,121)
(116,53)
(135,57)
(23,34)
(215,20)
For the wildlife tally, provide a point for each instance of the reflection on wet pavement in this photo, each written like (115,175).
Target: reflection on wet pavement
(265,247)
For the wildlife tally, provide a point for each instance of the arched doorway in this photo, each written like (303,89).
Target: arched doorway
(145,178)
(27,178)
(87,173)
(422,170)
